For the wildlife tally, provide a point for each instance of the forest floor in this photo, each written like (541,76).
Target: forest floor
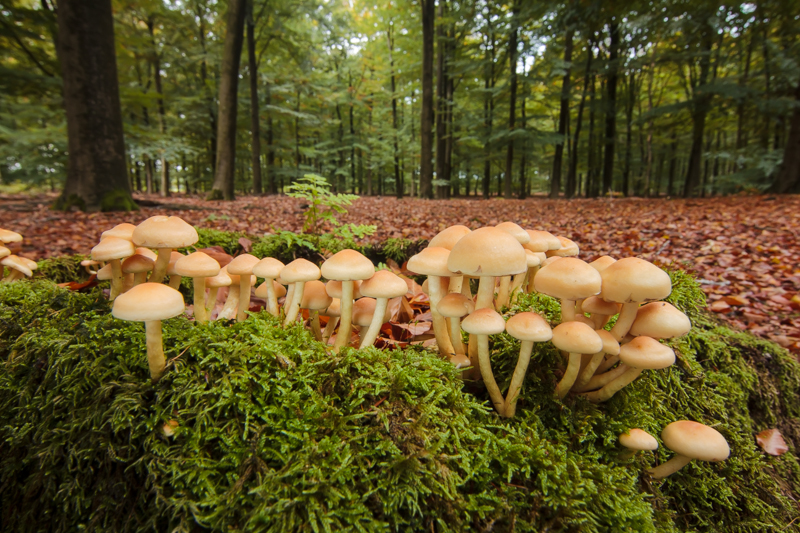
(745,250)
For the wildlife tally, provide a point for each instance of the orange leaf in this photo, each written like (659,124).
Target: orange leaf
(771,441)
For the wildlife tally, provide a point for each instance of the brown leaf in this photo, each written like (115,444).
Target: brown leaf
(771,441)
(246,244)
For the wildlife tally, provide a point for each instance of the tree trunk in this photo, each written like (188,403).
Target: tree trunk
(788,178)
(523,177)
(563,119)
(512,102)
(426,117)
(441,101)
(700,107)
(398,180)
(226,123)
(252,67)
(626,168)
(271,181)
(673,161)
(591,164)
(611,109)
(488,109)
(573,164)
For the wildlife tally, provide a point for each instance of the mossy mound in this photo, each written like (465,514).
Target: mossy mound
(277,434)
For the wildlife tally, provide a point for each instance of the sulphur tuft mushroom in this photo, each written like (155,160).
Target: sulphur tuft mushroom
(528,328)
(315,299)
(270,268)
(198,266)
(432,262)
(576,339)
(569,279)
(482,323)
(383,286)
(242,266)
(636,440)
(346,266)
(164,234)
(111,250)
(690,441)
(298,272)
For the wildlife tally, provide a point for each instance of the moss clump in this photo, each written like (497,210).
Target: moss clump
(277,434)
(62,269)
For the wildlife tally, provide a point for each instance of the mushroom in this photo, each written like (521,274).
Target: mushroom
(242,266)
(298,272)
(263,291)
(454,306)
(534,261)
(174,277)
(569,279)
(600,310)
(447,238)
(139,266)
(602,262)
(364,312)
(198,266)
(482,323)
(333,312)
(17,266)
(516,231)
(660,320)
(528,328)
(8,236)
(568,248)
(610,347)
(384,285)
(574,338)
(636,440)
(269,268)
(642,353)
(164,234)
(315,299)
(222,279)
(630,282)
(460,361)
(121,231)
(347,266)
(112,249)
(432,262)
(690,440)
(150,303)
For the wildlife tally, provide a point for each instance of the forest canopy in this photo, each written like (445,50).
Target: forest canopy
(580,98)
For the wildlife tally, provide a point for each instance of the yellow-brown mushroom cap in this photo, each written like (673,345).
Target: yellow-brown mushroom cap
(695,440)
(363,310)
(347,265)
(7,236)
(334,289)
(638,439)
(164,232)
(488,252)
(148,301)
(602,262)
(538,235)
(136,264)
(516,231)
(261,290)
(197,265)
(568,278)
(222,279)
(16,263)
(634,280)
(269,267)
(646,353)
(576,337)
(596,305)
(660,320)
(569,248)
(384,284)
(448,237)
(455,305)
(484,322)
(610,344)
(431,261)
(299,270)
(529,326)
(242,265)
(314,296)
(112,248)
(4,252)
(121,231)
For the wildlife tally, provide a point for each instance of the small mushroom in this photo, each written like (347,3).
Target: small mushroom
(454,306)
(569,279)
(315,299)
(383,286)
(482,323)
(660,320)
(690,440)
(575,338)
(121,231)
(112,249)
(298,272)
(139,266)
(528,328)
(222,279)
(504,291)
(333,312)
(610,347)
(636,440)
(242,266)
(269,268)
(18,267)
(347,266)
(569,248)
(198,266)
(174,277)
(164,234)
(432,262)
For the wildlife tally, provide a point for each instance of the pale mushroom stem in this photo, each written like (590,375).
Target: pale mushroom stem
(516,285)
(472,353)
(377,320)
(606,364)
(567,310)
(588,371)
(525,350)
(455,335)
(12,276)
(294,307)
(601,380)
(531,274)
(670,467)
(614,386)
(330,327)
(315,325)
(231,305)
(272,298)
(488,378)
(485,296)
(455,284)
(466,290)
(570,375)
(175,281)
(244,297)
(155,349)
(211,301)
(502,292)
(138,278)
(127,282)
(599,320)
(625,320)
(116,280)
(200,314)
(162,262)
(439,324)
(287,300)
(346,318)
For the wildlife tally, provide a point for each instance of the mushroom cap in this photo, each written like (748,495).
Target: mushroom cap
(121,231)
(431,261)
(484,321)
(583,319)
(173,258)
(569,248)
(538,235)
(569,278)
(363,309)
(164,232)
(602,262)
(448,237)
(538,241)
(550,259)
(197,265)
(148,301)
(269,268)
(488,252)
(299,270)
(7,236)
(243,265)
(533,258)
(261,290)
(638,439)
(516,231)
(695,440)
(314,296)
(4,252)
(30,263)
(660,320)
(104,274)
(577,337)
(222,279)
(455,305)
(646,353)
(112,248)
(347,265)
(147,252)
(529,326)
(634,280)
(136,264)
(384,284)
(334,309)
(334,289)
(15,262)
(460,360)
(598,306)
(610,344)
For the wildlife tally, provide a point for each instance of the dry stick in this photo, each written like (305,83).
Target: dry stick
(155,349)
(294,307)
(200,314)
(377,320)
(525,350)
(488,378)
(162,262)
(346,318)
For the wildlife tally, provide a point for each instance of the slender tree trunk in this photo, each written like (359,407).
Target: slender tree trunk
(512,102)
(788,178)
(426,118)
(573,164)
(223,187)
(162,121)
(523,177)
(563,118)
(488,107)
(591,164)
(97,177)
(252,67)
(297,139)
(271,182)
(441,101)
(369,167)
(398,179)
(741,134)
(611,108)
(626,168)
(673,161)
(700,107)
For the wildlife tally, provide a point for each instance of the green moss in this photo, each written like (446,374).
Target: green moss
(62,269)
(278,434)
(228,241)
(119,200)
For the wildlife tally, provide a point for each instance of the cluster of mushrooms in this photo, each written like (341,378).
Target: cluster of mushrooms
(506,260)
(18,267)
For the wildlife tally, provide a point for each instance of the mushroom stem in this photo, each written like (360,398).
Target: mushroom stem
(315,325)
(439,324)
(294,307)
(466,289)
(455,335)
(116,280)
(138,278)
(531,274)
(455,284)
(567,310)
(175,281)
(614,386)
(502,292)
(287,299)
(588,371)
(570,375)
(670,467)
(516,285)
(200,314)
(485,293)
(155,349)
(525,350)
(599,320)
(625,320)
(127,282)
(627,454)
(488,378)
(329,328)
(160,267)
(377,320)
(601,380)
(211,301)
(272,298)
(346,318)
(606,364)
(228,310)
(244,297)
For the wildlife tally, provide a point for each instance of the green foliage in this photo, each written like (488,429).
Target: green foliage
(277,434)
(228,241)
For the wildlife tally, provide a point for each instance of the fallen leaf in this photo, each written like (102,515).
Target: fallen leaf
(771,441)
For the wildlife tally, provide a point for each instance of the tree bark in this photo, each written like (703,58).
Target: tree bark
(563,119)
(398,179)
(788,178)
(252,67)
(626,167)
(573,164)
(591,172)
(700,107)
(512,102)
(441,101)
(162,120)
(97,178)
(223,187)
(488,108)
(611,109)
(426,118)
